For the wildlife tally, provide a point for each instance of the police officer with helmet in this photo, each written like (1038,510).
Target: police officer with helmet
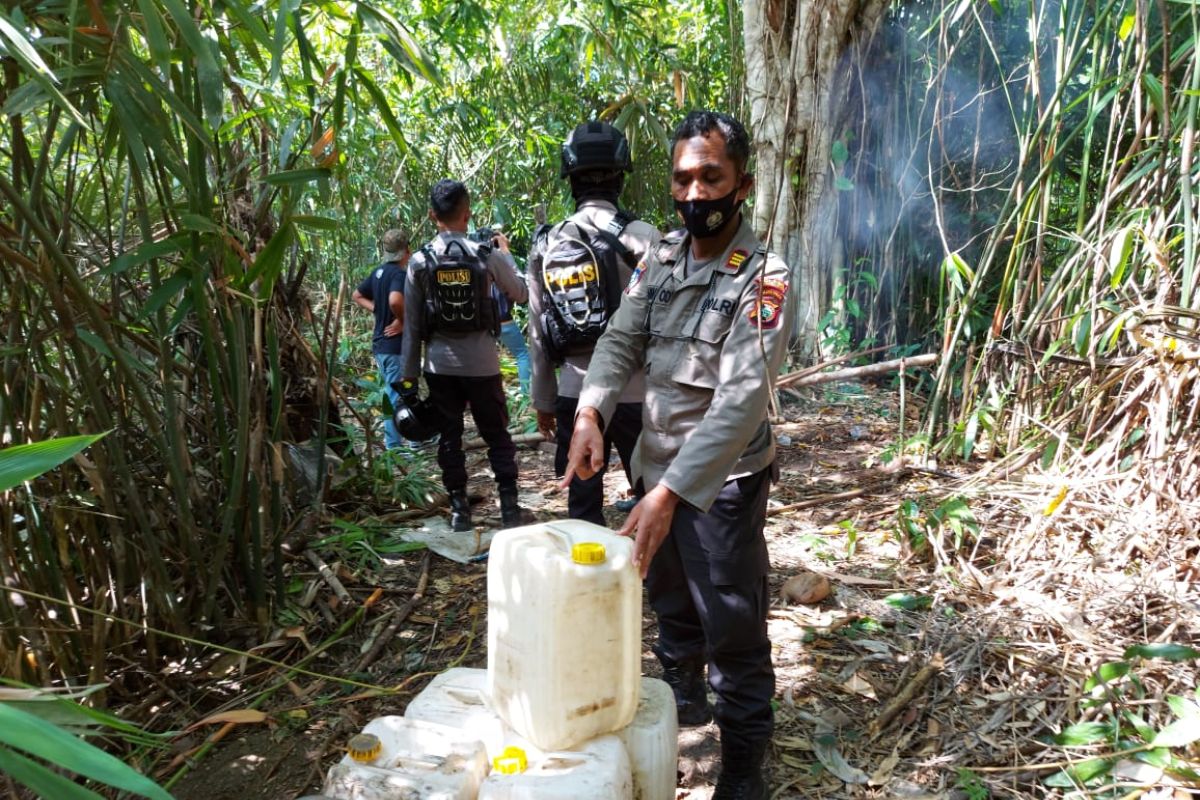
(705,317)
(577,272)
(450,328)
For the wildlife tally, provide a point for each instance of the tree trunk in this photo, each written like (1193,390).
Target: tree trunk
(795,82)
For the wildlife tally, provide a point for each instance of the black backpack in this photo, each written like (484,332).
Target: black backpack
(581,284)
(458,291)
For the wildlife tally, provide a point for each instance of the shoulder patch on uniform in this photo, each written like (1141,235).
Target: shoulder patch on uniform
(769,295)
(737,258)
(636,277)
(379,273)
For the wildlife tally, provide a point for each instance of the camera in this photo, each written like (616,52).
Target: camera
(482,235)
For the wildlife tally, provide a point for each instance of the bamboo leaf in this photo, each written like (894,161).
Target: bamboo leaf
(208,73)
(1107,673)
(1179,733)
(143,253)
(1118,255)
(164,293)
(268,262)
(26,732)
(384,109)
(316,222)
(44,782)
(156,36)
(294,177)
(24,462)
(1167,651)
(21,50)
(1084,733)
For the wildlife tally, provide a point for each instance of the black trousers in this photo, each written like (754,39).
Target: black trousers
(585,498)
(708,586)
(453,393)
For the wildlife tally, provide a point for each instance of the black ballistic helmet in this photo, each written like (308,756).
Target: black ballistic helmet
(420,421)
(595,146)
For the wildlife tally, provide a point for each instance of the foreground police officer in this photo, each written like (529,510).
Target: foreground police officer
(451,315)
(577,270)
(705,316)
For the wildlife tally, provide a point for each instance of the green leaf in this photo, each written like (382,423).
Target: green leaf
(24,462)
(143,253)
(208,73)
(839,153)
(843,184)
(1167,651)
(1179,733)
(908,602)
(1084,733)
(26,732)
(1080,773)
(1118,255)
(316,222)
(1107,673)
(1182,707)
(156,36)
(22,51)
(294,177)
(164,293)
(384,108)
(44,782)
(268,262)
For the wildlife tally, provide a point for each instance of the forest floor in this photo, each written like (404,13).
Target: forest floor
(956,637)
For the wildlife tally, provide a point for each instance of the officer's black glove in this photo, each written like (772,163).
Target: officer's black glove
(408,393)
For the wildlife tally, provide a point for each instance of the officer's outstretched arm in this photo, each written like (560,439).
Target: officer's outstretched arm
(505,274)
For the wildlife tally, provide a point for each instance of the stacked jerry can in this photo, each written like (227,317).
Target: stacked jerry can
(560,712)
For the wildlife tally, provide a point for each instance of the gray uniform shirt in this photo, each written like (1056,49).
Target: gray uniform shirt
(710,343)
(471,354)
(545,385)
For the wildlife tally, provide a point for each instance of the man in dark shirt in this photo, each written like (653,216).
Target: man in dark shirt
(382,293)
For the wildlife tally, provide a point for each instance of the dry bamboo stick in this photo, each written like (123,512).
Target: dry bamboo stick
(807,378)
(386,635)
(328,576)
(906,694)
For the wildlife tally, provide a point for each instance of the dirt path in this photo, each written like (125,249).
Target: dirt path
(932,660)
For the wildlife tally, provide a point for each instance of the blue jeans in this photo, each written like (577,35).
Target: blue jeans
(514,341)
(391,370)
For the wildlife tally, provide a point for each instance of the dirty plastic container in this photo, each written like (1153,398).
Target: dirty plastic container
(456,698)
(402,759)
(652,741)
(598,770)
(564,632)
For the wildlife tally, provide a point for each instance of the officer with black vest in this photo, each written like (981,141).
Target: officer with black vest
(451,317)
(577,272)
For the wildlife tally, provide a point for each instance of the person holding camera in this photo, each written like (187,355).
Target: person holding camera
(577,272)
(450,331)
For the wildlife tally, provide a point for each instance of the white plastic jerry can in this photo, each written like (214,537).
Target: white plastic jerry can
(597,770)
(652,741)
(456,698)
(401,759)
(564,632)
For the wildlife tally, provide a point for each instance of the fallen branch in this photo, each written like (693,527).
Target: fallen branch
(397,620)
(477,443)
(328,576)
(808,377)
(906,695)
(816,501)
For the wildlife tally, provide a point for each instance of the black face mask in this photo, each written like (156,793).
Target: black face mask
(707,218)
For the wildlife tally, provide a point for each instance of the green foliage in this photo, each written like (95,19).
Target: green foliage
(921,518)
(25,462)
(1131,722)
(29,743)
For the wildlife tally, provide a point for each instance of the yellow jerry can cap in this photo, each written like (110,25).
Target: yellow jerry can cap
(511,761)
(364,748)
(588,553)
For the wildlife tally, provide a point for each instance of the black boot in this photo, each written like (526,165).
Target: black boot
(686,679)
(460,511)
(511,514)
(741,769)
